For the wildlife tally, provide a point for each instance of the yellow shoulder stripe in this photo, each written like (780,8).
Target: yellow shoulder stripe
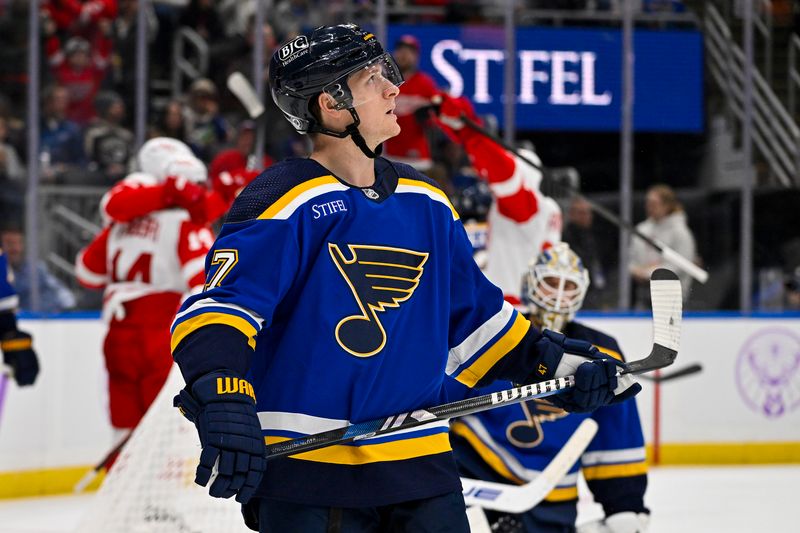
(431,188)
(293,193)
(196,322)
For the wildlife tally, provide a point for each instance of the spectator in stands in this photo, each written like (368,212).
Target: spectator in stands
(61,141)
(12,176)
(281,139)
(665,223)
(206,129)
(579,234)
(235,167)
(11,168)
(122,71)
(109,145)
(792,293)
(413,108)
(54,296)
(14,50)
(236,55)
(201,16)
(79,68)
(79,17)
(292,17)
(171,122)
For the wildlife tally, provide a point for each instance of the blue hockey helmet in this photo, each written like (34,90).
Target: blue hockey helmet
(321,62)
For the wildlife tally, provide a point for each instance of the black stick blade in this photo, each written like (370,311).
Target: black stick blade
(659,357)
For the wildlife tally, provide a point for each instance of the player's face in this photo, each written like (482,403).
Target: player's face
(564,295)
(655,207)
(374,99)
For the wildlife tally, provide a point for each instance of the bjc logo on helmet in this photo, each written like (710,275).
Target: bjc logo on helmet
(293,47)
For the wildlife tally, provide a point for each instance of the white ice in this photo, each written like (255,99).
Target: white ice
(743,499)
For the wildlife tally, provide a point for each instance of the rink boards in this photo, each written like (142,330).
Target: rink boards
(743,408)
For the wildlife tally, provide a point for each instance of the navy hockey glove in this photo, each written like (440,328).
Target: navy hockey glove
(223,407)
(596,383)
(19,355)
(551,348)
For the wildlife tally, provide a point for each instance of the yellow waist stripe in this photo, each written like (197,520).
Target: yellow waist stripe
(197,322)
(472,374)
(398,450)
(612,471)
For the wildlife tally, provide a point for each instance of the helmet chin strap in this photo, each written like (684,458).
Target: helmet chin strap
(352,132)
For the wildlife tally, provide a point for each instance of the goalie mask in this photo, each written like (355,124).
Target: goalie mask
(554,287)
(322,63)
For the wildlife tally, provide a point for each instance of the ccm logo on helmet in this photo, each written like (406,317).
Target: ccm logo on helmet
(291,50)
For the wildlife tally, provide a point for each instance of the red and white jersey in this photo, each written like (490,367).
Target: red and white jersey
(522,221)
(411,145)
(161,253)
(511,245)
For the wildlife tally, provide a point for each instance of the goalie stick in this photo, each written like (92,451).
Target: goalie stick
(665,293)
(687,370)
(666,252)
(89,476)
(517,499)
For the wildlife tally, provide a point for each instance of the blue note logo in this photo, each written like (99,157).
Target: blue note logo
(380,277)
(529,433)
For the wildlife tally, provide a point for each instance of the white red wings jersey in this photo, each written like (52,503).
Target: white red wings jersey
(163,252)
(411,145)
(522,221)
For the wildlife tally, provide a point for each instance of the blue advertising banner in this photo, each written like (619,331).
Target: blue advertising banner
(569,78)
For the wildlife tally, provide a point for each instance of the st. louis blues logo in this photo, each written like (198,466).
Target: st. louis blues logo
(380,277)
(529,433)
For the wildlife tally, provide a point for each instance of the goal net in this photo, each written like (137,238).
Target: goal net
(151,489)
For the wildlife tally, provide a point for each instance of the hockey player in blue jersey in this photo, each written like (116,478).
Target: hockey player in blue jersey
(342,288)
(513,444)
(16,345)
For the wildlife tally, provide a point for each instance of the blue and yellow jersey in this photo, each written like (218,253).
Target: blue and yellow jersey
(8,296)
(349,304)
(515,443)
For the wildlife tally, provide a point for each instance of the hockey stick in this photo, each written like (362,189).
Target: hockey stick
(243,90)
(687,370)
(666,252)
(89,476)
(517,499)
(665,292)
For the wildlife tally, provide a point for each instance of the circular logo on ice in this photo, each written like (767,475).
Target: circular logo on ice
(768,372)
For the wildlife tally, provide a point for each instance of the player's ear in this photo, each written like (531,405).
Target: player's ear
(327,107)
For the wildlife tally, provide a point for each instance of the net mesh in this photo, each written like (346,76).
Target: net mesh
(151,488)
